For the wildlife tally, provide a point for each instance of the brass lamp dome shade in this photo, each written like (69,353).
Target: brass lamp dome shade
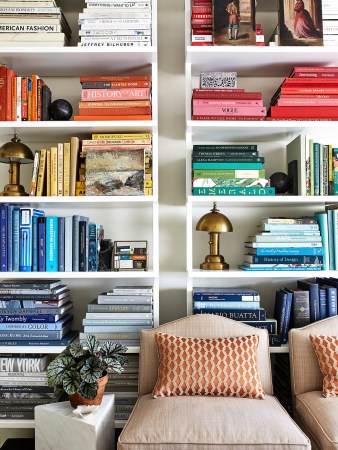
(15,153)
(214,223)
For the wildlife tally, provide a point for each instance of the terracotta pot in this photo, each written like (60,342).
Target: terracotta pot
(77,399)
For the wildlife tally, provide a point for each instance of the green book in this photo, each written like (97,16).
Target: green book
(219,173)
(253,191)
(233,165)
(231,147)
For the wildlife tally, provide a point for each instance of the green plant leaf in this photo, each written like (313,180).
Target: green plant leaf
(76,350)
(114,364)
(91,370)
(92,344)
(57,369)
(88,390)
(71,382)
(109,349)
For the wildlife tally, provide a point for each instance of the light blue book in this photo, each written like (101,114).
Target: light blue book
(68,243)
(52,244)
(290,227)
(276,269)
(331,239)
(316,167)
(226,305)
(26,237)
(59,325)
(10,238)
(16,240)
(323,225)
(286,251)
(283,244)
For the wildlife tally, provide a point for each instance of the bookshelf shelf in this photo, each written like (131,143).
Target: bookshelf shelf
(244,201)
(92,202)
(241,274)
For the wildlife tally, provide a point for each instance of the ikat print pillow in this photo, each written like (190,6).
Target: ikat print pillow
(219,367)
(326,349)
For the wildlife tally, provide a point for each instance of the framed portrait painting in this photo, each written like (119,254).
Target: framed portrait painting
(233,22)
(300,23)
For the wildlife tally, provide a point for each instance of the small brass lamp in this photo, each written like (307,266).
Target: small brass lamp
(15,153)
(214,223)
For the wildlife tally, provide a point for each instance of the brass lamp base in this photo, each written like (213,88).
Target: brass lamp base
(13,190)
(214,262)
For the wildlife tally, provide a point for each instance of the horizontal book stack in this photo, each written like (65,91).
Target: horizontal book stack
(312,300)
(35,313)
(115,97)
(330,22)
(25,98)
(234,303)
(233,169)
(125,157)
(309,93)
(119,315)
(285,243)
(130,255)
(125,400)
(56,170)
(201,22)
(218,98)
(34,242)
(115,24)
(33,23)
(23,385)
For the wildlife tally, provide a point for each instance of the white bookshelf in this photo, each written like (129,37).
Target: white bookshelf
(258,69)
(123,218)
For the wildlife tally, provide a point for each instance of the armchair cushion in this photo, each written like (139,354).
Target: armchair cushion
(326,349)
(202,366)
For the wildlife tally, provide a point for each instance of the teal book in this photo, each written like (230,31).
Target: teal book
(331,238)
(244,191)
(52,243)
(226,305)
(323,226)
(277,269)
(234,165)
(226,147)
(16,240)
(335,237)
(316,168)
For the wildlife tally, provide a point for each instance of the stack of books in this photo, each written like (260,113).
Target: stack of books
(218,98)
(201,22)
(24,98)
(115,97)
(242,304)
(126,155)
(119,315)
(23,385)
(330,22)
(309,93)
(41,23)
(115,24)
(35,313)
(233,169)
(285,243)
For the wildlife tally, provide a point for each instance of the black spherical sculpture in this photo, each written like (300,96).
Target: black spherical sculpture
(60,109)
(281,182)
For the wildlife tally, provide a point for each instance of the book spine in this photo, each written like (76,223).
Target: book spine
(66,169)
(121,94)
(52,237)
(225,94)
(225,297)
(269,325)
(289,251)
(236,314)
(115,84)
(226,305)
(47,326)
(76,243)
(259,191)
(10,75)
(115,328)
(82,246)
(227,174)
(16,240)
(26,238)
(32,189)
(35,244)
(68,243)
(46,101)
(104,316)
(61,243)
(119,308)
(125,299)
(74,157)
(93,249)
(331,301)
(23,335)
(40,189)
(3,92)
(54,171)
(9,240)
(225,103)
(17,415)
(27,318)
(284,259)
(229,110)
(114,111)
(41,244)
(300,309)
(3,236)
(139,322)
(227,165)
(48,173)
(60,169)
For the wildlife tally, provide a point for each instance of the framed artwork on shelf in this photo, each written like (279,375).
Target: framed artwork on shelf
(233,22)
(300,23)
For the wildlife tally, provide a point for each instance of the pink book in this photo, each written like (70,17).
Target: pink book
(229,110)
(211,102)
(307,102)
(115,94)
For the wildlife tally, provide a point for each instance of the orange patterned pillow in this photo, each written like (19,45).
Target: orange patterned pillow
(220,367)
(326,349)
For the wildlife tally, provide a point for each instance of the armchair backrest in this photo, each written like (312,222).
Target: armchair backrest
(200,326)
(304,368)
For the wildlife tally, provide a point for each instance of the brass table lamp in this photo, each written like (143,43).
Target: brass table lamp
(15,153)
(214,223)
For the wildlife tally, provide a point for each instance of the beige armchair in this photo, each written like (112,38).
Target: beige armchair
(317,415)
(207,422)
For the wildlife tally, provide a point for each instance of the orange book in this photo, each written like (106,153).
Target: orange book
(99,118)
(115,111)
(10,75)
(35,97)
(24,98)
(13,101)
(115,78)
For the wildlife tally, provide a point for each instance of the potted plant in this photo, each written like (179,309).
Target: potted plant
(82,371)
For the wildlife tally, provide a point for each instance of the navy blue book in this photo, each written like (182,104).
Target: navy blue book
(61,244)
(287,315)
(313,288)
(279,312)
(66,340)
(332,298)
(3,237)
(42,244)
(322,303)
(82,246)
(10,238)
(225,294)
(235,314)
(35,244)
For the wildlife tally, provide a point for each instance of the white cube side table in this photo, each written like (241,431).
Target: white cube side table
(57,428)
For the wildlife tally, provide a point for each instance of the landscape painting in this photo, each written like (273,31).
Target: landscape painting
(300,23)
(115,172)
(233,22)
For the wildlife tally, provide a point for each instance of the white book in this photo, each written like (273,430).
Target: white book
(22,28)
(117,5)
(110,32)
(26,10)
(117,26)
(112,22)
(18,98)
(28,3)
(60,170)
(123,315)
(115,38)
(114,44)
(108,14)
(68,243)
(32,37)
(30,20)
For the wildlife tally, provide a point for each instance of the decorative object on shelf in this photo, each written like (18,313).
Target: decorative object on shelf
(105,255)
(60,109)
(214,223)
(130,255)
(82,371)
(281,182)
(85,410)
(15,153)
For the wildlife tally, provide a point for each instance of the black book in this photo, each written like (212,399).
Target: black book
(46,101)
(82,246)
(29,284)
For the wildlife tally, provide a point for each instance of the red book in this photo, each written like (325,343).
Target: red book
(304,111)
(24,98)
(201,16)
(229,110)
(201,26)
(115,111)
(114,84)
(115,94)
(3,92)
(99,118)
(114,103)
(197,9)
(202,21)
(213,102)
(321,75)
(201,43)
(115,78)
(303,119)
(225,94)
(298,101)
(309,90)
(309,95)
(314,71)
(315,81)
(204,32)
(10,75)
(197,117)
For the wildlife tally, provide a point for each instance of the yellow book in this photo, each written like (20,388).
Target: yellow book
(48,173)
(80,184)
(122,136)
(41,174)
(148,183)
(53,171)
(80,192)
(32,189)
(74,157)
(66,168)
(148,191)
(60,170)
